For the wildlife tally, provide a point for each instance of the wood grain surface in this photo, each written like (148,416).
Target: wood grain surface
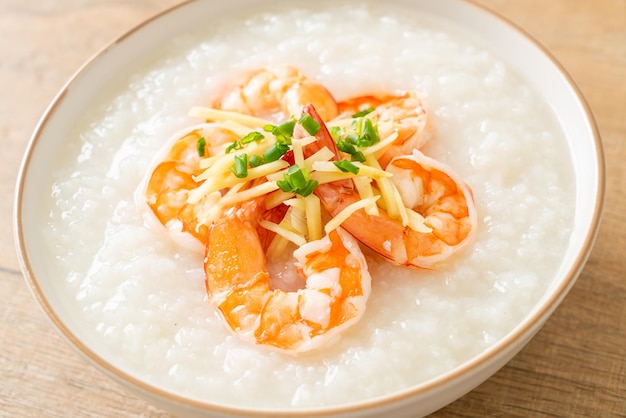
(575,366)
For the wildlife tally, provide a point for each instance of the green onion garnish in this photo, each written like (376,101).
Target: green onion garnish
(308,188)
(346,147)
(335,132)
(252,137)
(200,146)
(367,133)
(286,128)
(371,132)
(358,156)
(363,112)
(296,177)
(352,139)
(240,167)
(274,152)
(255,160)
(236,145)
(346,166)
(282,132)
(309,124)
(296,180)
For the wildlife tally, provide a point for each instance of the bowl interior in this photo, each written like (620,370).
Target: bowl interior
(531,61)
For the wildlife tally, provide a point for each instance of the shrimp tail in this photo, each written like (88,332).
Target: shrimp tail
(325,139)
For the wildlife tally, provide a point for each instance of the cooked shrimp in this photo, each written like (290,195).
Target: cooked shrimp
(239,285)
(432,189)
(402,113)
(171,180)
(427,187)
(276,93)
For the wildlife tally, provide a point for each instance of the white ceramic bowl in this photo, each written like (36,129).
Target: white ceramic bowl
(520,52)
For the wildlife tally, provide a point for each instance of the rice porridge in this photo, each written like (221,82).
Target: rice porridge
(142,298)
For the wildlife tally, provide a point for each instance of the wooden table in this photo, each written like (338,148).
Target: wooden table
(575,366)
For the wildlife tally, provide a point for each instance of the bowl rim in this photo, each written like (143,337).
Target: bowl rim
(526,328)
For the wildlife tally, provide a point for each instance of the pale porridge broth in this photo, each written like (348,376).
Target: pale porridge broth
(143,298)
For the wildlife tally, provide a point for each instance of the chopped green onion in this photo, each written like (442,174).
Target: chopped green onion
(240,167)
(308,189)
(286,128)
(346,166)
(309,124)
(296,180)
(236,145)
(274,152)
(252,137)
(346,147)
(349,148)
(358,156)
(284,185)
(255,160)
(371,132)
(296,176)
(200,146)
(352,139)
(335,132)
(363,112)
(367,133)
(282,132)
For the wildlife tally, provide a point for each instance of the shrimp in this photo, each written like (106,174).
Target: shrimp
(403,113)
(276,93)
(426,186)
(167,188)
(432,189)
(337,285)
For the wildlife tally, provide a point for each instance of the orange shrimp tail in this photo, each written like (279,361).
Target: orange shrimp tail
(324,139)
